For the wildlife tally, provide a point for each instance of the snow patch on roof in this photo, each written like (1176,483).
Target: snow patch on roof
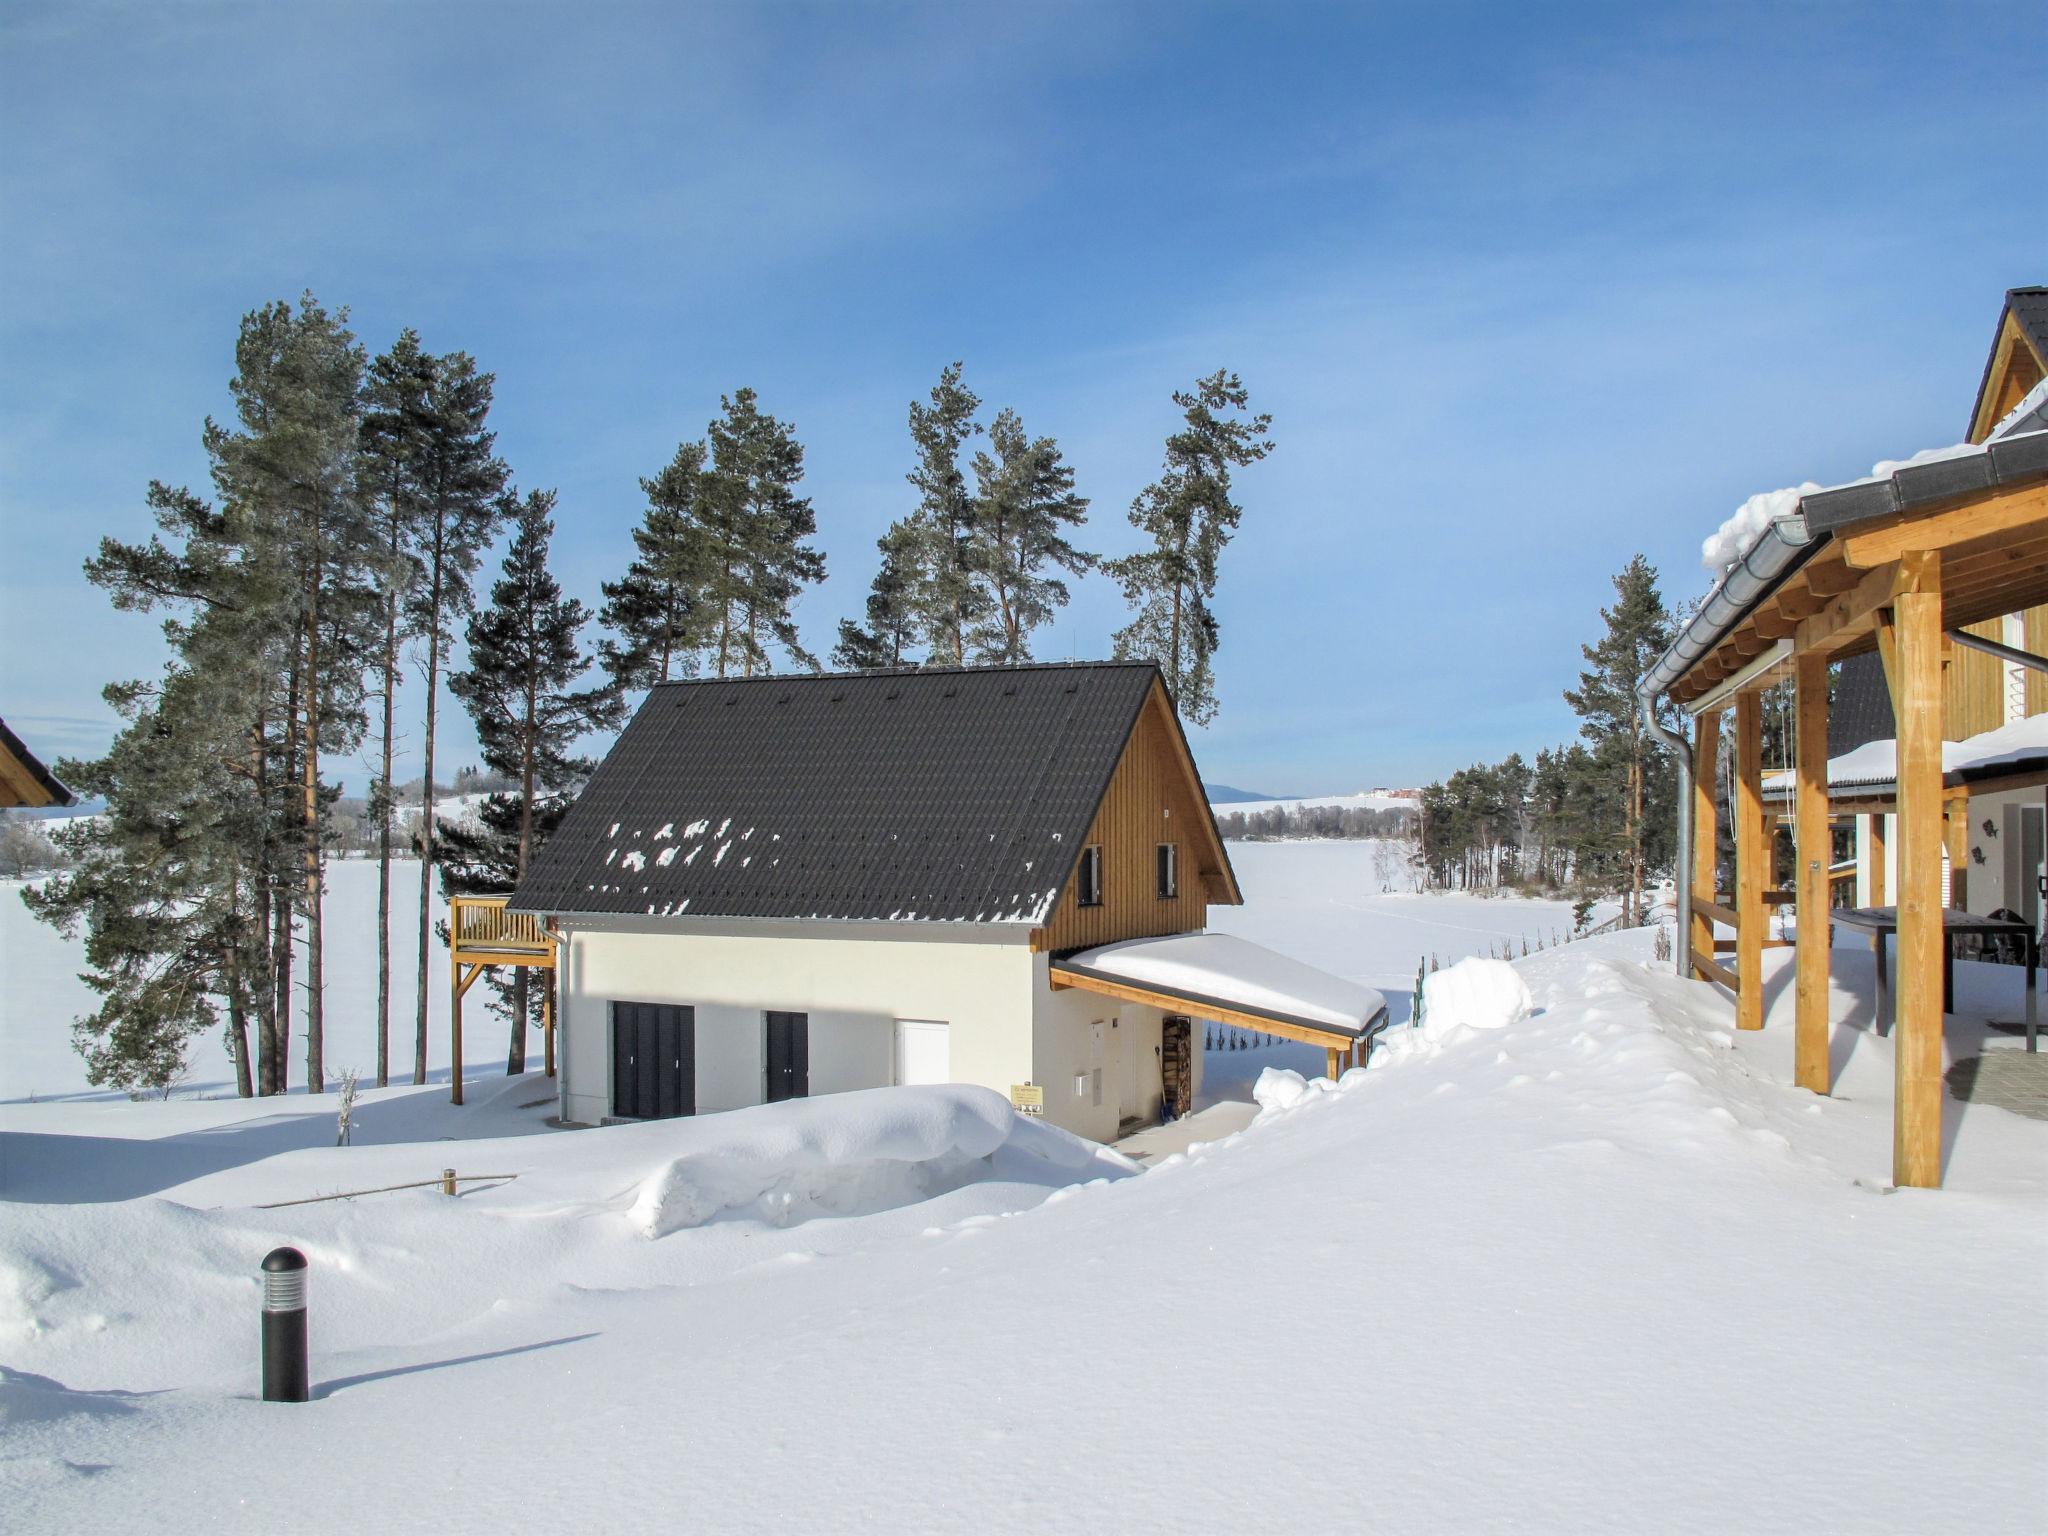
(1738,535)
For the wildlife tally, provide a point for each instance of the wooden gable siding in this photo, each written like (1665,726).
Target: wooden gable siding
(1973,684)
(1151,799)
(2014,370)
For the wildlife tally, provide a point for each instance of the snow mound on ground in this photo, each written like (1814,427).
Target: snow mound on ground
(853,1154)
(1280,1088)
(1478,994)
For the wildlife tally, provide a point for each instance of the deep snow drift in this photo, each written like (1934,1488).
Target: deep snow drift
(1601,1269)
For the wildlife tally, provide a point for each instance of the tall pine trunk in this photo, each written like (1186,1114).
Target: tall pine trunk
(316,1065)
(384,805)
(515,1055)
(426,934)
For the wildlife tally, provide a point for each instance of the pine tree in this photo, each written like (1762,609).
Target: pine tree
(947,596)
(1627,756)
(525,658)
(655,608)
(1025,502)
(891,628)
(164,884)
(1189,516)
(764,560)
(457,484)
(294,468)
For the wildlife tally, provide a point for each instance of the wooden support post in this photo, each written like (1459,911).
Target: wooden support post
(461,981)
(1879,858)
(1815,853)
(1752,853)
(1336,1063)
(455,991)
(1706,751)
(1917,1037)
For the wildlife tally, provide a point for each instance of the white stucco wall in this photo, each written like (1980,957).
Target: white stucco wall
(853,980)
(1076,1033)
(2002,873)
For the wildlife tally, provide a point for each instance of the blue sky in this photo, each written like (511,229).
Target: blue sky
(1526,289)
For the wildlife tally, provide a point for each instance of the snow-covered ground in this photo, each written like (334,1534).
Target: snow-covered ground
(1599,1270)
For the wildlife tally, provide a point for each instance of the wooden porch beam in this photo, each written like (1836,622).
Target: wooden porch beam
(1706,750)
(1998,514)
(1917,1037)
(1815,833)
(1751,851)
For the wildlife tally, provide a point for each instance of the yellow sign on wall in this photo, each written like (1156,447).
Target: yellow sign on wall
(1027,1098)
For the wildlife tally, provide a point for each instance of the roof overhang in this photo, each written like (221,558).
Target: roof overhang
(24,781)
(1238,993)
(1820,575)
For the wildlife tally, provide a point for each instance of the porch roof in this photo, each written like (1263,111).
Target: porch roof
(1233,981)
(2009,752)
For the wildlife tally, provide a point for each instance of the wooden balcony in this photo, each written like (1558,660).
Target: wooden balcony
(482,932)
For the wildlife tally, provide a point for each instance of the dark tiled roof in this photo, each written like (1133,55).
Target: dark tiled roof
(2030,309)
(947,795)
(1861,710)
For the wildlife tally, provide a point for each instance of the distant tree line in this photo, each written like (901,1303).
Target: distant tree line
(1283,822)
(333,561)
(1593,816)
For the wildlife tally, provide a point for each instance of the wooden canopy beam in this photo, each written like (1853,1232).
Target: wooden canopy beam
(2001,513)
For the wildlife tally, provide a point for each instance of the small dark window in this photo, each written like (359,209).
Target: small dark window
(1088,882)
(1169,871)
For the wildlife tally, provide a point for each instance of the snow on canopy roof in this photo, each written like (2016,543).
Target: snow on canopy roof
(1738,535)
(1877,762)
(1236,973)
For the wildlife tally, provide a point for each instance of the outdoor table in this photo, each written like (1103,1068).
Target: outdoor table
(1882,922)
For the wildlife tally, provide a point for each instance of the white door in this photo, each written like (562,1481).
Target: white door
(923,1052)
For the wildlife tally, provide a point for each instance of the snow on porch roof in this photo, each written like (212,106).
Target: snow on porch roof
(2013,748)
(1215,970)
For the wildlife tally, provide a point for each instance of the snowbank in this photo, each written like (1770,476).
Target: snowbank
(1475,994)
(850,1154)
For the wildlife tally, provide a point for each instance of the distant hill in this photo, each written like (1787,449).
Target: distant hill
(1226,794)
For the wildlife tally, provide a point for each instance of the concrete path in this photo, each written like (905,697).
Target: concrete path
(1212,1124)
(2014,1080)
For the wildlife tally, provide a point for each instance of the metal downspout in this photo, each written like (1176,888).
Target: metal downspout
(1682,873)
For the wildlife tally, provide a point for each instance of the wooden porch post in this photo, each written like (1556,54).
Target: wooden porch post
(1877,859)
(1815,853)
(455,991)
(1706,750)
(1751,856)
(1336,1063)
(1917,1039)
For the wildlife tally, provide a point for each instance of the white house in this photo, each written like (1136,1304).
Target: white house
(795,885)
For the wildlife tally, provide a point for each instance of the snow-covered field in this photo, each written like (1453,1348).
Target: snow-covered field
(1602,1270)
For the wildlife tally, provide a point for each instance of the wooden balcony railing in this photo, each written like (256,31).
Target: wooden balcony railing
(480,927)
